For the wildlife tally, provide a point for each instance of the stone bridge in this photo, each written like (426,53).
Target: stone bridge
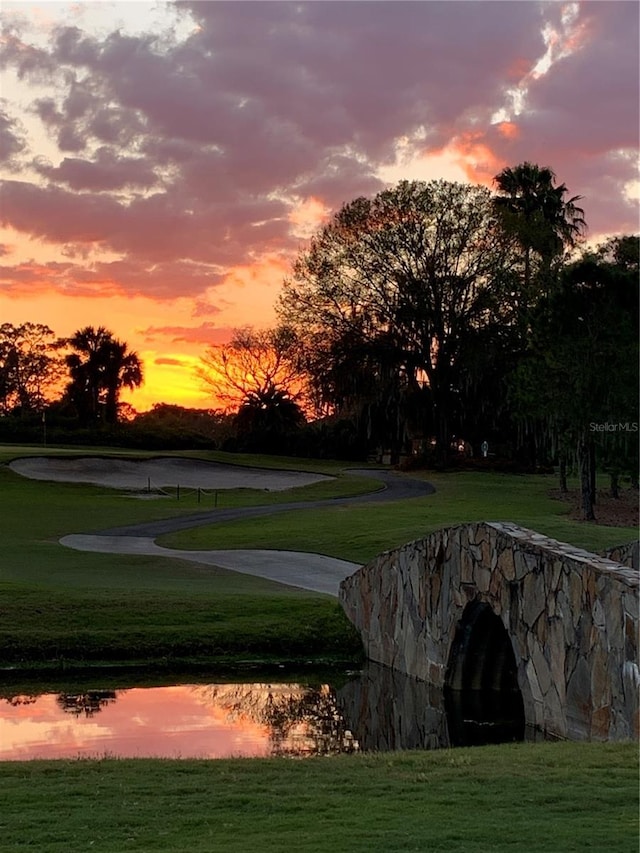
(493,605)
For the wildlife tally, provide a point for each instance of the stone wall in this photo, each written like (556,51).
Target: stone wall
(572,618)
(628,554)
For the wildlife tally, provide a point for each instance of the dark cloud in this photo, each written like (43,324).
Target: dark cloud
(161,227)
(33,277)
(12,140)
(129,277)
(582,118)
(105,172)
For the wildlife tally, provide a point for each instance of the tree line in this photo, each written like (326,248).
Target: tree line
(81,376)
(438,318)
(433,320)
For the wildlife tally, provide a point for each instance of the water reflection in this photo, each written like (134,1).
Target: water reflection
(298,719)
(388,710)
(375,710)
(477,717)
(89,703)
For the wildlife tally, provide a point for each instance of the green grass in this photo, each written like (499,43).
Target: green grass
(525,798)
(60,607)
(57,604)
(63,607)
(72,628)
(360,533)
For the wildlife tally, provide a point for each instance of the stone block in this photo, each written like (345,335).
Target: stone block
(534,599)
(601,723)
(466,566)
(482,578)
(556,655)
(487,557)
(555,575)
(506,565)
(575,597)
(598,615)
(579,688)
(555,712)
(520,566)
(542,670)
(600,680)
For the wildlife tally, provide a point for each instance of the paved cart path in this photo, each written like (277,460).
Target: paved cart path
(315,572)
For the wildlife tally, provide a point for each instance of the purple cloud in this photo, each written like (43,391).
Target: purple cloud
(184,156)
(12,141)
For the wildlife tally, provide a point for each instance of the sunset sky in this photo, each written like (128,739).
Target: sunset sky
(164,162)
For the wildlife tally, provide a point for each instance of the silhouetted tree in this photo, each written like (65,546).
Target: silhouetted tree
(579,381)
(29,367)
(122,369)
(99,366)
(388,291)
(257,375)
(251,368)
(544,222)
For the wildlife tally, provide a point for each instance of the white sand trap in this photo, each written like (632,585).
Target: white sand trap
(159,472)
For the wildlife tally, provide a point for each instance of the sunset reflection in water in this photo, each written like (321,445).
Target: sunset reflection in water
(183,721)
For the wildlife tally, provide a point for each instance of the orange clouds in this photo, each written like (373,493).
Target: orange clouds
(307,216)
(472,153)
(518,69)
(508,129)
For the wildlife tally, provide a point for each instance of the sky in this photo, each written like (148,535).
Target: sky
(163,163)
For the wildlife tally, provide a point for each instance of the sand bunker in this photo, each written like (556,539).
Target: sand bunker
(159,472)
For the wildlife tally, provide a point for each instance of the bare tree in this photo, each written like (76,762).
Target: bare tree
(254,368)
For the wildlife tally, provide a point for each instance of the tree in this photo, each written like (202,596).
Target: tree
(388,291)
(251,368)
(99,367)
(29,367)
(579,381)
(170,426)
(258,376)
(122,369)
(535,210)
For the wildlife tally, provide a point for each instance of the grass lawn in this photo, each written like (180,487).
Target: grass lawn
(60,607)
(360,533)
(524,798)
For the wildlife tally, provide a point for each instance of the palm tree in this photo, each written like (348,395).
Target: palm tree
(122,369)
(84,365)
(537,213)
(99,368)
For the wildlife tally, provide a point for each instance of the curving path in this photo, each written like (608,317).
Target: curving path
(315,572)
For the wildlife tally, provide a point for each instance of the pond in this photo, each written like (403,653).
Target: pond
(373,710)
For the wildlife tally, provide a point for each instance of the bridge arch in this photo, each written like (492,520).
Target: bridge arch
(482,696)
(571,619)
(481,655)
